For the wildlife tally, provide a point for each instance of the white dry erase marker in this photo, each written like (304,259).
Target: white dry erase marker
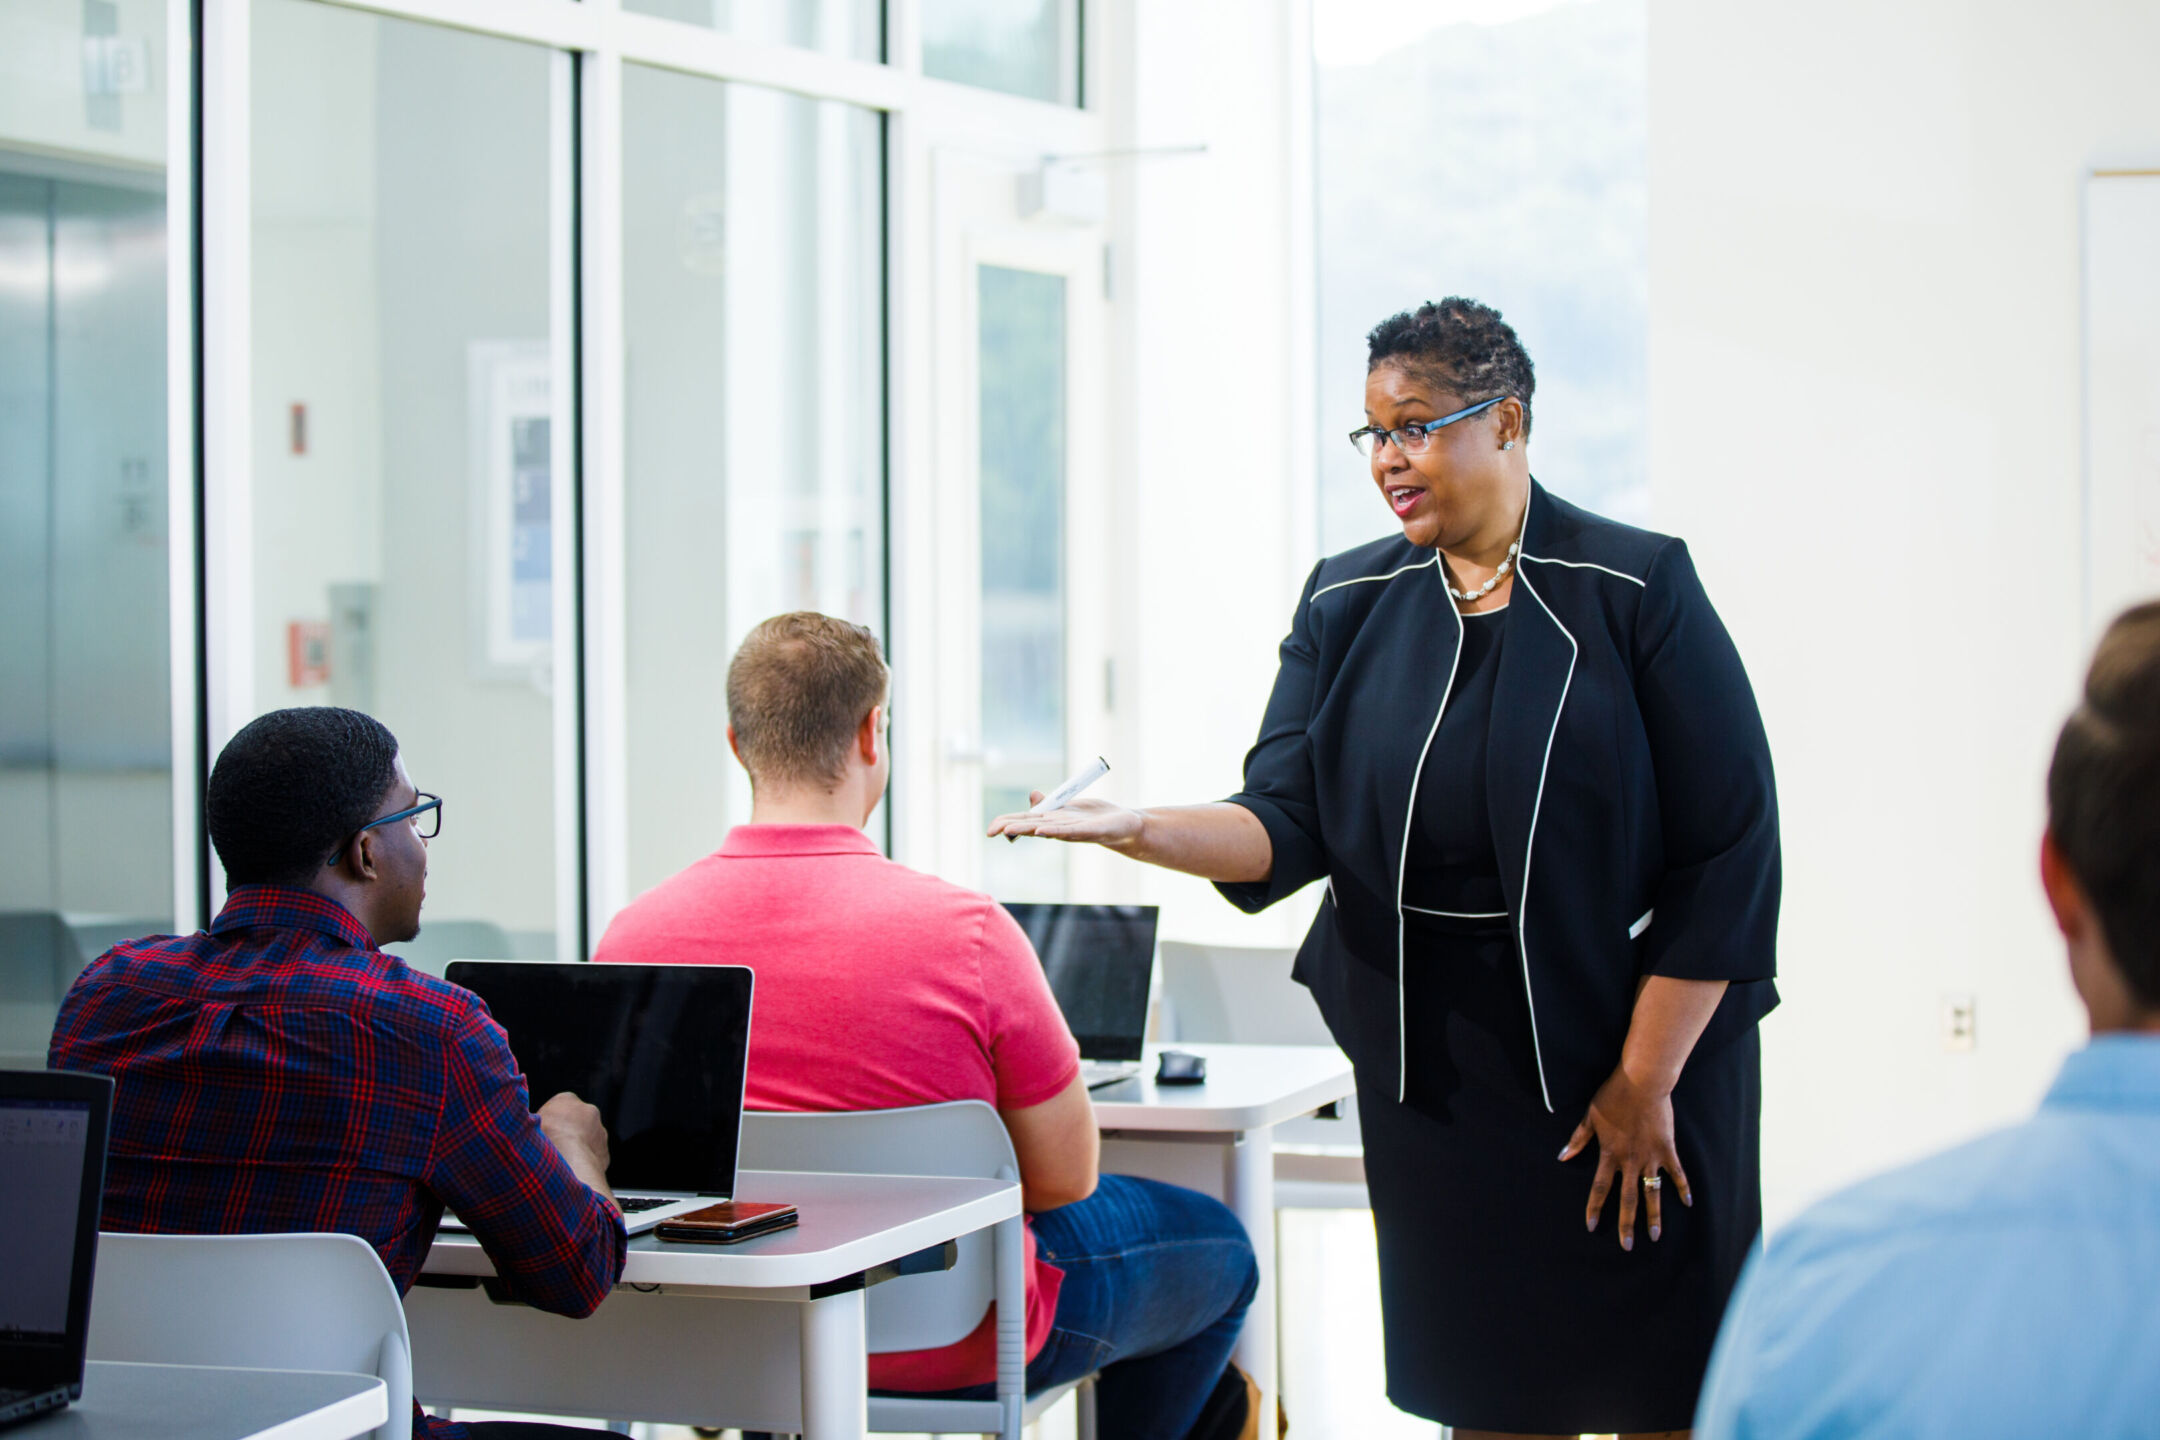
(1068,792)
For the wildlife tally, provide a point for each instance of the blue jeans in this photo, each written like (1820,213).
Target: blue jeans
(1157,1278)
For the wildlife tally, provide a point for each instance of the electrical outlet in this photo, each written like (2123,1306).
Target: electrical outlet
(1958,1021)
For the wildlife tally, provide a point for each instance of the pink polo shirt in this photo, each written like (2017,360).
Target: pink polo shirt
(877,987)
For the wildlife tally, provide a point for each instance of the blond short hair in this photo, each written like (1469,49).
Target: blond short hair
(797,693)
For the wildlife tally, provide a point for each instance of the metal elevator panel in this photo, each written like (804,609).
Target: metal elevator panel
(85,697)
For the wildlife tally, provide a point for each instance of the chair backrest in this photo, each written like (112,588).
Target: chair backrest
(1237,995)
(962,1137)
(270,1302)
(94,937)
(38,961)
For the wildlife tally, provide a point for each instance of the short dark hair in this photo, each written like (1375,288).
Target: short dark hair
(798,690)
(1459,344)
(294,785)
(2104,795)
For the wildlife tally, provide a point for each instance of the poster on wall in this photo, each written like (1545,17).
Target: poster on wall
(2122,392)
(512,419)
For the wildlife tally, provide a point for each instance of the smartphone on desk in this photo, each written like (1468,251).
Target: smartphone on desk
(727,1222)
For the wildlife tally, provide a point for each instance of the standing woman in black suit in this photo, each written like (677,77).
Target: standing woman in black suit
(1520,749)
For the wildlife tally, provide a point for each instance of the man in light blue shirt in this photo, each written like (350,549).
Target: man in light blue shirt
(2010,1286)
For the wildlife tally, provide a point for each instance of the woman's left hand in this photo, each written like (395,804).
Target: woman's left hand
(1633,1127)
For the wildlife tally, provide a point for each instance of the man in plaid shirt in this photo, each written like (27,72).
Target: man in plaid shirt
(278,1072)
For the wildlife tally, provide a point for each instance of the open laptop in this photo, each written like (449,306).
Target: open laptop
(52,1185)
(660,1050)
(1101,964)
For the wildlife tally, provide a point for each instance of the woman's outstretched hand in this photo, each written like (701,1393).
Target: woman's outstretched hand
(1633,1127)
(1095,821)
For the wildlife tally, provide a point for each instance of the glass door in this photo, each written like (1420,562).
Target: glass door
(1021,690)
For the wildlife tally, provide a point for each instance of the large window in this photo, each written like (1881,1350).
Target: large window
(755,462)
(850,28)
(409,434)
(505,365)
(1501,156)
(1029,48)
(1022,366)
(86,847)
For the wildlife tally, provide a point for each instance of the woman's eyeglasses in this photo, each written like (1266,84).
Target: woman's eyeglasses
(426,817)
(1413,439)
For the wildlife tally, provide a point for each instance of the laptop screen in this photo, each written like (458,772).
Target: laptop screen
(52,1182)
(43,1144)
(1099,959)
(659,1049)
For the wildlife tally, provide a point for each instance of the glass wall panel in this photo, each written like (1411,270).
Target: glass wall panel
(853,29)
(85,660)
(1528,190)
(1022,365)
(405,481)
(1029,48)
(754,332)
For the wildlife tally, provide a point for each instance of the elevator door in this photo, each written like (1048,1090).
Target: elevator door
(85,695)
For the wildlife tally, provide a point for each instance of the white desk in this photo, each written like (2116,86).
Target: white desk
(1218,1138)
(204,1402)
(765,1335)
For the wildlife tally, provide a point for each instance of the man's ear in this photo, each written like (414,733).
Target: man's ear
(870,733)
(737,749)
(2066,897)
(360,855)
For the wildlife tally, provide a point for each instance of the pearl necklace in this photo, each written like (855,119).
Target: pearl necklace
(1498,575)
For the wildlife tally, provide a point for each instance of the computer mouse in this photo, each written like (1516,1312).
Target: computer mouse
(1179,1067)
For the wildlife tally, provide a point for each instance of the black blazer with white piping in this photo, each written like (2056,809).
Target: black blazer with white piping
(1633,807)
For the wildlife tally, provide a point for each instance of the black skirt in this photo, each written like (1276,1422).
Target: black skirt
(1501,1311)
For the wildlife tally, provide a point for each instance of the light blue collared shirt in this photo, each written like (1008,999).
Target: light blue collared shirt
(2008,1287)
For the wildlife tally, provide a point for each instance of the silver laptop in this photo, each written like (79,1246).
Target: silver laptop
(660,1050)
(52,1187)
(1101,964)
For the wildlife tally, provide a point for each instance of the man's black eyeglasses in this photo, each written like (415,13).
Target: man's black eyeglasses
(430,807)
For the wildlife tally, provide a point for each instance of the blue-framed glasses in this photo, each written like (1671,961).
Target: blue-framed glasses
(1412,439)
(428,826)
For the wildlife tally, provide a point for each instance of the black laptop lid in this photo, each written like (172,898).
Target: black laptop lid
(52,1186)
(1100,959)
(660,1050)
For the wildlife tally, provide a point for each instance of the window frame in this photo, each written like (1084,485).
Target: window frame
(210,419)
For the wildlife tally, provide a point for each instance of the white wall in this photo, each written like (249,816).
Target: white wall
(1866,421)
(1212,274)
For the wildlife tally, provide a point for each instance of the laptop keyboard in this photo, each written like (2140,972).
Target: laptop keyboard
(632,1204)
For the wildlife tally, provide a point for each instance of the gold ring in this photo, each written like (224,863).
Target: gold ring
(1652,1182)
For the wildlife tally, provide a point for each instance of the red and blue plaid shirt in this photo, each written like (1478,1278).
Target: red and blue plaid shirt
(279,1073)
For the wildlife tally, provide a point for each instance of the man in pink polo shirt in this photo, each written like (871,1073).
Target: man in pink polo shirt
(880,987)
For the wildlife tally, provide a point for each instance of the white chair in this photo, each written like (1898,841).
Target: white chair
(269,1302)
(923,1312)
(1245,996)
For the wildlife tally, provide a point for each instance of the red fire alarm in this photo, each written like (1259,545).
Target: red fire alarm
(307,653)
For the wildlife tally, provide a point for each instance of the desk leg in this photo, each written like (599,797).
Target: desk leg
(1249,1191)
(835,1368)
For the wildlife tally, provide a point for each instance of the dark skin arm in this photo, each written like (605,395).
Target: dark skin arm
(1631,1116)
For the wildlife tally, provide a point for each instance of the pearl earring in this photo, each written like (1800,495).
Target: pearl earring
(1507,445)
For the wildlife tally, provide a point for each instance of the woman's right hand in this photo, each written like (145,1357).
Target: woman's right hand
(1094,821)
